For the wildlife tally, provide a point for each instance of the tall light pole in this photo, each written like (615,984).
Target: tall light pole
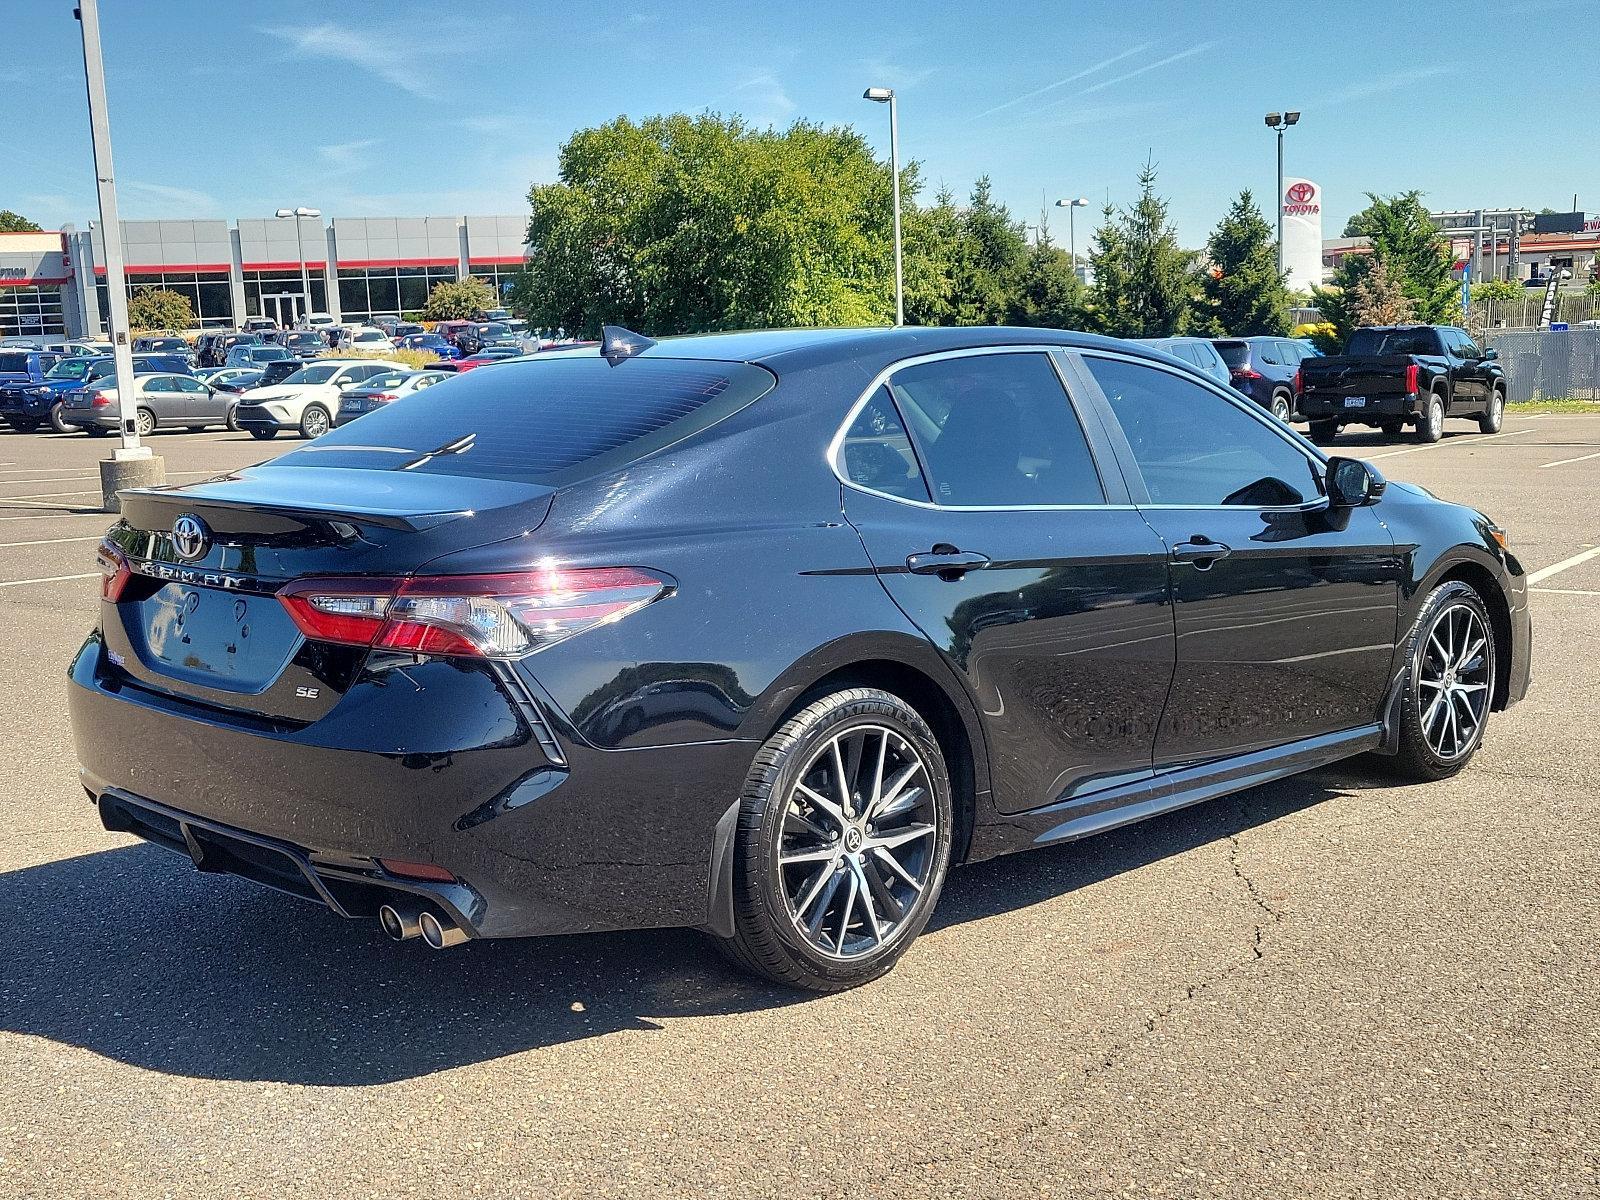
(1072,207)
(1279,122)
(131,464)
(300,247)
(882,95)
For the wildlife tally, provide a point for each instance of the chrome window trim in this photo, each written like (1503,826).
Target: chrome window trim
(882,377)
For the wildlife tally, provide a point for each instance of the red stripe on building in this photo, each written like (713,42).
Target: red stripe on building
(172,268)
(36,281)
(503,261)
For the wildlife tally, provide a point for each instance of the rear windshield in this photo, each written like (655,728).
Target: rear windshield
(13,360)
(543,422)
(1393,341)
(1235,354)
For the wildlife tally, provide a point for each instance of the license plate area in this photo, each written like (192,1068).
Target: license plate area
(1355,401)
(214,638)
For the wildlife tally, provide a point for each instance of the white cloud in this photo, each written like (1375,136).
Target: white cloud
(185,200)
(1148,67)
(348,156)
(1060,83)
(393,58)
(883,72)
(768,102)
(1384,85)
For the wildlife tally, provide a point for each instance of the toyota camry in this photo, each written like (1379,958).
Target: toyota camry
(761,633)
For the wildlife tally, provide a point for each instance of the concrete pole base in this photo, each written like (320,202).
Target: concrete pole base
(129,469)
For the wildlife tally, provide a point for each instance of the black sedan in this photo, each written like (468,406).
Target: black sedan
(761,633)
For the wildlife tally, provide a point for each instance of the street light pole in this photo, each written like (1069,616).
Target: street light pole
(1280,122)
(881,95)
(300,246)
(1072,207)
(131,464)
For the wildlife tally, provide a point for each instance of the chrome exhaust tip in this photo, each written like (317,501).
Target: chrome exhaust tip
(439,932)
(400,923)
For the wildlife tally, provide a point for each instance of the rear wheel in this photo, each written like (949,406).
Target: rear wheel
(1323,432)
(145,422)
(843,842)
(263,435)
(56,421)
(1431,427)
(314,422)
(1281,406)
(1449,683)
(1495,415)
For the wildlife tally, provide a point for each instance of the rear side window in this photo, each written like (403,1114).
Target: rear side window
(544,422)
(877,454)
(997,429)
(1235,354)
(13,361)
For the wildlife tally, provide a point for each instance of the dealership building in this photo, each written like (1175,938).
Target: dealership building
(352,267)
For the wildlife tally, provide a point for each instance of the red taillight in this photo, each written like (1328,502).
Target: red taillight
(100,400)
(484,616)
(1411,377)
(1297,381)
(383,397)
(1245,373)
(114,572)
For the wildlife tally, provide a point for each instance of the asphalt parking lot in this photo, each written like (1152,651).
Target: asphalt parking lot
(1329,986)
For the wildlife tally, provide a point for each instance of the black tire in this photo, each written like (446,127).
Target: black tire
(1392,426)
(1418,758)
(24,424)
(56,423)
(767,937)
(263,435)
(1430,428)
(233,418)
(97,431)
(1323,432)
(145,422)
(315,421)
(1282,406)
(1495,415)
(194,428)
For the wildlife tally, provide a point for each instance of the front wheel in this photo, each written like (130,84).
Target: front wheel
(843,842)
(233,418)
(56,422)
(1323,432)
(263,435)
(1448,685)
(1495,415)
(314,422)
(1431,427)
(1281,408)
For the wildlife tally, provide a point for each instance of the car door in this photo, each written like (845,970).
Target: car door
(1285,609)
(991,523)
(1472,381)
(160,395)
(205,407)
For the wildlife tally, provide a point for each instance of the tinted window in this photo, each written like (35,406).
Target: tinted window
(320,373)
(1194,447)
(1235,354)
(997,429)
(1269,353)
(13,362)
(72,368)
(543,421)
(1394,341)
(877,453)
(392,380)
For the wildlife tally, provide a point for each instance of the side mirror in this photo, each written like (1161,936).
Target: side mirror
(1353,483)
(1489,353)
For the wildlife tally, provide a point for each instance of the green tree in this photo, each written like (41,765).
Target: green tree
(1414,255)
(677,224)
(11,222)
(1144,281)
(1498,290)
(1243,292)
(159,308)
(1049,293)
(458,300)
(1365,292)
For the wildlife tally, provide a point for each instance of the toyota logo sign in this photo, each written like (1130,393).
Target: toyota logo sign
(1301,193)
(190,537)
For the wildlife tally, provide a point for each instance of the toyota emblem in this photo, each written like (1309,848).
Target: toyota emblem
(190,537)
(1301,193)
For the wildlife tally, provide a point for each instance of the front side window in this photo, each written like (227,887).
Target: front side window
(1195,448)
(320,373)
(877,454)
(997,429)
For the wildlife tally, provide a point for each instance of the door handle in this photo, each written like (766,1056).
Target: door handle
(1201,551)
(946,562)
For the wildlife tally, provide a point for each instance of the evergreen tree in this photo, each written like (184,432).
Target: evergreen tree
(1148,282)
(1049,293)
(1243,292)
(1415,258)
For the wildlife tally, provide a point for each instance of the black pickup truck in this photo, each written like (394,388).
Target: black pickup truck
(1392,376)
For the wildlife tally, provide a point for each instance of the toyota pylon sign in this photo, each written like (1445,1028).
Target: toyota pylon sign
(1302,232)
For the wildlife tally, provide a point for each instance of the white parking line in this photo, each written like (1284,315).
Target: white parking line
(49,541)
(1452,442)
(47,496)
(1563,592)
(1564,564)
(46,579)
(1561,462)
(52,479)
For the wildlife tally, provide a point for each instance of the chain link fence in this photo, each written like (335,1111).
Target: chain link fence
(1548,364)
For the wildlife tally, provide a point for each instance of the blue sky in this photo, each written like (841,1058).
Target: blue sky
(226,109)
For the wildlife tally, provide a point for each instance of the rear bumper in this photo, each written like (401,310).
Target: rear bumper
(1321,406)
(85,418)
(543,833)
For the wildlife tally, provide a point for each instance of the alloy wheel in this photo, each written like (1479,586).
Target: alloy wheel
(145,423)
(1280,409)
(314,423)
(1435,419)
(858,837)
(1453,681)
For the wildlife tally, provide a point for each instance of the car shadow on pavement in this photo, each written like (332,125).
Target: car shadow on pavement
(132,954)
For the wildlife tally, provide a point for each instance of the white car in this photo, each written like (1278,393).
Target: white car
(369,339)
(318,321)
(307,400)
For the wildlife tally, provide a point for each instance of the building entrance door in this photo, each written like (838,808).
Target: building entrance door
(286,308)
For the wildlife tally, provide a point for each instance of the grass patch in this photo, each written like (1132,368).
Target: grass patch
(1562,405)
